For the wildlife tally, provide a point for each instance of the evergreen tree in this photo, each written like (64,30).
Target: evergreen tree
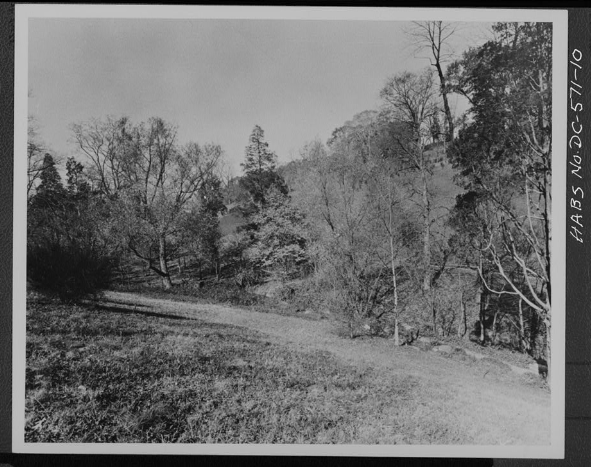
(47,205)
(50,180)
(259,168)
(68,255)
(75,177)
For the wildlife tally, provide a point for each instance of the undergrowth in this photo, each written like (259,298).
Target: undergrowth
(224,293)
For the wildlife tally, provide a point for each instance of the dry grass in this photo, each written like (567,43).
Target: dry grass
(168,372)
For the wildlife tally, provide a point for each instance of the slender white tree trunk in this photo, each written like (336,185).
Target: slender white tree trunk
(426,234)
(482,310)
(396,336)
(393,267)
(548,363)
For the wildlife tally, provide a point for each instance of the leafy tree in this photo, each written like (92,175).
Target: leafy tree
(259,168)
(504,154)
(468,242)
(281,238)
(201,227)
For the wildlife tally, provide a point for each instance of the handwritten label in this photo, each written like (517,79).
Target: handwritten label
(575,145)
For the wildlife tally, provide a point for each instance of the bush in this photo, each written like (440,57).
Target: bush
(218,292)
(302,295)
(69,273)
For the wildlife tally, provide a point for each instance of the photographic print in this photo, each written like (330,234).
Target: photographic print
(289,230)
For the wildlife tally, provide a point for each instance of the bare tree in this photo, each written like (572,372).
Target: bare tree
(36,151)
(333,189)
(435,36)
(149,179)
(107,145)
(389,203)
(409,100)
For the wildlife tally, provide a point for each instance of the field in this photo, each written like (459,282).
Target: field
(140,369)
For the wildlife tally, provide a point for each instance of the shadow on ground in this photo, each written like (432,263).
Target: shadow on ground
(114,307)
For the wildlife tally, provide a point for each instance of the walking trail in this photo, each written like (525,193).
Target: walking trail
(509,409)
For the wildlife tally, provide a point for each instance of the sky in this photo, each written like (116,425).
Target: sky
(216,78)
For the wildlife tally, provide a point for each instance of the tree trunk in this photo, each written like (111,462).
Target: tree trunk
(494,327)
(426,233)
(394,283)
(482,310)
(427,242)
(433,312)
(463,325)
(548,229)
(533,335)
(548,364)
(166,282)
(448,116)
(523,345)
(547,214)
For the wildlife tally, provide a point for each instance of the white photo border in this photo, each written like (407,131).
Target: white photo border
(559,18)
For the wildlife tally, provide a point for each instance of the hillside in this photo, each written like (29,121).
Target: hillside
(443,187)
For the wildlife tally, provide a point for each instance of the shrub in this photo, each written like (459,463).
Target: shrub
(218,292)
(69,273)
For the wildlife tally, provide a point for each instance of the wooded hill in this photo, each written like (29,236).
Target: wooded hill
(399,221)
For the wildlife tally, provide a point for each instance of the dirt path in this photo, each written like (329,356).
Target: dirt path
(509,409)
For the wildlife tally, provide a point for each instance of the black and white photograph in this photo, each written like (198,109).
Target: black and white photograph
(289,231)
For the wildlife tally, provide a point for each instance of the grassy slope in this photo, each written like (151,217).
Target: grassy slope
(163,371)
